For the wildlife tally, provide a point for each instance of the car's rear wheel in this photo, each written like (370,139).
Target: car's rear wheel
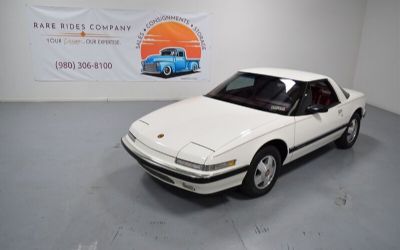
(350,135)
(167,71)
(194,68)
(263,172)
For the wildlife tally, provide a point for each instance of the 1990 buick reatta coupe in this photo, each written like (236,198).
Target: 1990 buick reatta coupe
(245,130)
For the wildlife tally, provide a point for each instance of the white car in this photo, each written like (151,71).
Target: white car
(245,130)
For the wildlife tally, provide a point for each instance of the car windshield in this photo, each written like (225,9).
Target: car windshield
(168,52)
(267,93)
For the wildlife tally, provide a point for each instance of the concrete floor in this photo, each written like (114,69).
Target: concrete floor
(66,183)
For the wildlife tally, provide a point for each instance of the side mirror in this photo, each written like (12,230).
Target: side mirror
(316,108)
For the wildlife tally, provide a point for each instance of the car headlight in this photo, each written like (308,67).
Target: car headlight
(189,164)
(203,167)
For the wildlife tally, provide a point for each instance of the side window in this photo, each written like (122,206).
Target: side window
(181,54)
(322,93)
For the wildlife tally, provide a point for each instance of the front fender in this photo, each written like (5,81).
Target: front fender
(243,148)
(165,64)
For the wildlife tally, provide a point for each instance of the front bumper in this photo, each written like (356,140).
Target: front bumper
(201,182)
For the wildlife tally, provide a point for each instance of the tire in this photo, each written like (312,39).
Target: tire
(350,135)
(167,71)
(258,180)
(194,68)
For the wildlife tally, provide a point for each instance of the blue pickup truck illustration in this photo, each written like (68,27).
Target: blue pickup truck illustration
(169,62)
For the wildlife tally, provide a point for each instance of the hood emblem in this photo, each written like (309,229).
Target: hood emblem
(160,136)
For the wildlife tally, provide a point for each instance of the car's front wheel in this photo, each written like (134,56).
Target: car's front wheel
(263,172)
(350,135)
(167,71)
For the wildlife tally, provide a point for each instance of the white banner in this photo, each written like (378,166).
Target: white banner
(72,44)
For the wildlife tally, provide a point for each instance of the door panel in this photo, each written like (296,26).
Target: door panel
(315,130)
(180,61)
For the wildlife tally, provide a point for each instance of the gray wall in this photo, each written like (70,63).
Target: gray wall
(378,65)
(315,35)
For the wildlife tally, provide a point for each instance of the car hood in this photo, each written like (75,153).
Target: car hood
(157,58)
(202,121)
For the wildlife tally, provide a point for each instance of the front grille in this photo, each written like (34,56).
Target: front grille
(150,67)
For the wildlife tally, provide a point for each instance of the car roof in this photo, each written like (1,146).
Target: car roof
(286,73)
(173,48)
